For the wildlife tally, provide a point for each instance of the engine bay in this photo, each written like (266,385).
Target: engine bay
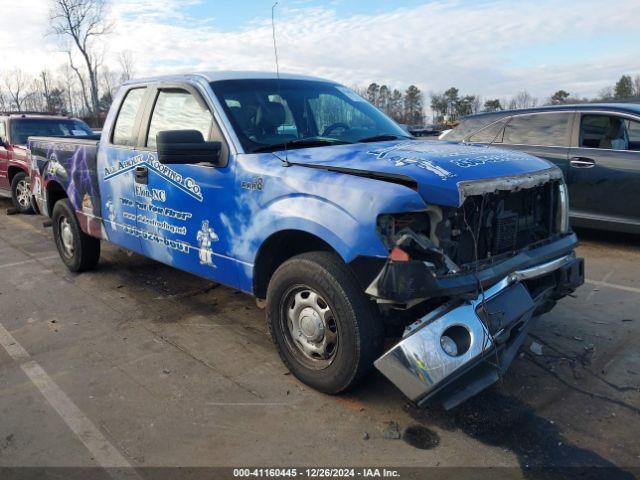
(484,229)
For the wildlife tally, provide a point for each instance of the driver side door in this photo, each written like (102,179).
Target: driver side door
(180,206)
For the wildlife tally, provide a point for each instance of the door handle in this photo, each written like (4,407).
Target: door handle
(142,174)
(582,162)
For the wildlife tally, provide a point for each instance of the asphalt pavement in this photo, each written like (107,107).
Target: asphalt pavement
(138,364)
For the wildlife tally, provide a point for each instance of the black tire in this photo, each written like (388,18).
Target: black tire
(358,327)
(20,193)
(78,251)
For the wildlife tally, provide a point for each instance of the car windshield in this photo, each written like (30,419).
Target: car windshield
(23,128)
(271,115)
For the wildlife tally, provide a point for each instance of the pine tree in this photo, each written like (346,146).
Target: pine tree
(624,87)
(413,106)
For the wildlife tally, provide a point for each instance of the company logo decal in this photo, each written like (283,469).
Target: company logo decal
(479,160)
(400,156)
(187,184)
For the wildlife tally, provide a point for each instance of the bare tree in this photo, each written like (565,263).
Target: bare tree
(109,82)
(126,61)
(636,85)
(82,82)
(605,94)
(523,100)
(16,83)
(34,98)
(83,22)
(45,78)
(476,103)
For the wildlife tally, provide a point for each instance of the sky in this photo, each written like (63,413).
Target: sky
(490,48)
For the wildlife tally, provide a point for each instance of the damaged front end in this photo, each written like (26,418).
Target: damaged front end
(476,275)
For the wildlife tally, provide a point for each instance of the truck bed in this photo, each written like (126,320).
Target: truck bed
(71,163)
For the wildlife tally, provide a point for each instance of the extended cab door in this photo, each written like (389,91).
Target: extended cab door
(180,206)
(117,162)
(604,177)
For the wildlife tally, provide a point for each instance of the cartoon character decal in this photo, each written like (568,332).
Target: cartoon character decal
(206,237)
(37,187)
(112,214)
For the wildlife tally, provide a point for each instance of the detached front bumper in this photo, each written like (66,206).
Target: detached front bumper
(487,332)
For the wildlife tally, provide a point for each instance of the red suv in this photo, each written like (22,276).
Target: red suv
(15,128)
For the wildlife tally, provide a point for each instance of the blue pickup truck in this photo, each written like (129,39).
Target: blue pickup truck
(297,191)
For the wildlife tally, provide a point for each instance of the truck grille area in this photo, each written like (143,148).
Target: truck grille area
(497,224)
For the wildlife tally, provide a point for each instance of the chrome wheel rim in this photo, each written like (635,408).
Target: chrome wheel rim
(311,327)
(22,194)
(66,237)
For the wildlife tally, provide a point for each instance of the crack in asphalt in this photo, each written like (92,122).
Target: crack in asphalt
(604,398)
(580,358)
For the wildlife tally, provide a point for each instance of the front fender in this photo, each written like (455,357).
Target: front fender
(347,235)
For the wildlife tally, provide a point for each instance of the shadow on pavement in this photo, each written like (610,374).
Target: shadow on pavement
(506,422)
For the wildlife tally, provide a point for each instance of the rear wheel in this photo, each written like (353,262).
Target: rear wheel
(21,193)
(327,331)
(78,251)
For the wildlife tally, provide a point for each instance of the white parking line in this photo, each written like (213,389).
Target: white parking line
(613,285)
(16,264)
(104,453)
(31,260)
(13,348)
(595,290)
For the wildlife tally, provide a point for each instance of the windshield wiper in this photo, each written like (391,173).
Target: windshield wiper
(299,143)
(383,137)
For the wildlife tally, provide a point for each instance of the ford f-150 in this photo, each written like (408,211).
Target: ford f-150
(299,192)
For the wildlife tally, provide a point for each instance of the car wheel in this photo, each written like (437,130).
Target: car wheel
(78,251)
(21,193)
(328,333)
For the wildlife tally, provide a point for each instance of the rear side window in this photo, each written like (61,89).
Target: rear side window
(470,125)
(178,110)
(609,132)
(123,132)
(491,134)
(546,129)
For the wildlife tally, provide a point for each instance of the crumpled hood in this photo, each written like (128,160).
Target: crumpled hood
(437,167)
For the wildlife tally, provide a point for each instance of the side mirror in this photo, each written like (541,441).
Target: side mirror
(185,147)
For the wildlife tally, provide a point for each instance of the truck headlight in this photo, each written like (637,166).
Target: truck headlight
(392,227)
(562,216)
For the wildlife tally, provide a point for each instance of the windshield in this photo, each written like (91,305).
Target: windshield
(267,115)
(23,128)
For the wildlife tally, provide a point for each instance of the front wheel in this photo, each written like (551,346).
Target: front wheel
(328,333)
(78,251)
(21,193)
